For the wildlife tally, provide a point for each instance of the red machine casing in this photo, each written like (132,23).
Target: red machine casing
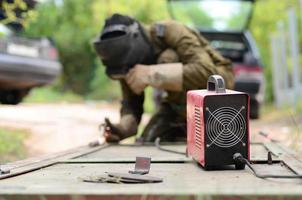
(198,142)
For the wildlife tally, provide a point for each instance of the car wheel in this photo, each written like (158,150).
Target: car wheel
(12,97)
(254,110)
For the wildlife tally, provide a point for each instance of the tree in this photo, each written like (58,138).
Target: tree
(191,14)
(16,13)
(267,14)
(74,23)
(70,26)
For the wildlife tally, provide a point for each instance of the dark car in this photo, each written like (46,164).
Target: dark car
(225,24)
(25,63)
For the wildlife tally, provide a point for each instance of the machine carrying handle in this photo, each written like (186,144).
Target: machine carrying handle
(216,83)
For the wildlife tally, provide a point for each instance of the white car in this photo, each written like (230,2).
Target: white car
(25,63)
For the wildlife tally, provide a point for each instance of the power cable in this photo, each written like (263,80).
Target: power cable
(238,158)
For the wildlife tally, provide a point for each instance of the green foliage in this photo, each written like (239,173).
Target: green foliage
(191,14)
(149,105)
(73,25)
(9,8)
(11,145)
(240,18)
(145,11)
(267,14)
(50,94)
(299,108)
(103,88)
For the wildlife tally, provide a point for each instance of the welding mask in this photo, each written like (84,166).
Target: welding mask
(121,45)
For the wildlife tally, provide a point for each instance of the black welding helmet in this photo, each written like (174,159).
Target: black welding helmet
(123,44)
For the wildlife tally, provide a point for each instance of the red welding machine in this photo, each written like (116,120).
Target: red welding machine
(218,125)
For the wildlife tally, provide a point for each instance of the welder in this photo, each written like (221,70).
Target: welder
(167,56)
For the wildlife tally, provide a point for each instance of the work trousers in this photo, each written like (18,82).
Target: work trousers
(167,124)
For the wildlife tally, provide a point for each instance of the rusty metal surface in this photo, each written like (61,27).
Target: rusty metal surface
(140,197)
(113,154)
(287,156)
(28,165)
(119,153)
(142,166)
(180,177)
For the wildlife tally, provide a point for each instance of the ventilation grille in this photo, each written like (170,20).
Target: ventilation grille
(197,117)
(225,127)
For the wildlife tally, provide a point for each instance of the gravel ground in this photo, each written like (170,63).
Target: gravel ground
(57,127)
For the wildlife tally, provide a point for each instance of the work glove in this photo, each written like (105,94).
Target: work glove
(160,76)
(117,132)
(137,78)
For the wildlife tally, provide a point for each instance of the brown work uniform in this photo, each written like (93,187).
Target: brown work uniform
(199,61)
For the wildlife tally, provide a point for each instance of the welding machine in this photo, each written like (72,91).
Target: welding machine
(217,125)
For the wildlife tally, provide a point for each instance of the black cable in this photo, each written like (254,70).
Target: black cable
(157,144)
(238,158)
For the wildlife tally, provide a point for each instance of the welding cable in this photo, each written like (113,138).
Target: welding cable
(157,144)
(238,158)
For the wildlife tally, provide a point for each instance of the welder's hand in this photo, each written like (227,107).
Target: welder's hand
(167,76)
(116,132)
(138,78)
(112,132)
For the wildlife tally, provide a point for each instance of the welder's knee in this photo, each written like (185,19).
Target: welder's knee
(166,128)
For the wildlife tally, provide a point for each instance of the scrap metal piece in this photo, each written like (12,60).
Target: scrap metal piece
(100,179)
(142,166)
(4,170)
(136,177)
(107,179)
(269,158)
(101,139)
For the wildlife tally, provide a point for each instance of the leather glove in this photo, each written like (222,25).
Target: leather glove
(160,76)
(117,132)
(137,78)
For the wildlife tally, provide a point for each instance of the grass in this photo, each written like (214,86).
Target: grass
(48,94)
(12,145)
(292,115)
(149,106)
(299,108)
(269,111)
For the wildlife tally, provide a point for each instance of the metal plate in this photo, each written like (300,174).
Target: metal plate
(179,179)
(118,153)
(61,177)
